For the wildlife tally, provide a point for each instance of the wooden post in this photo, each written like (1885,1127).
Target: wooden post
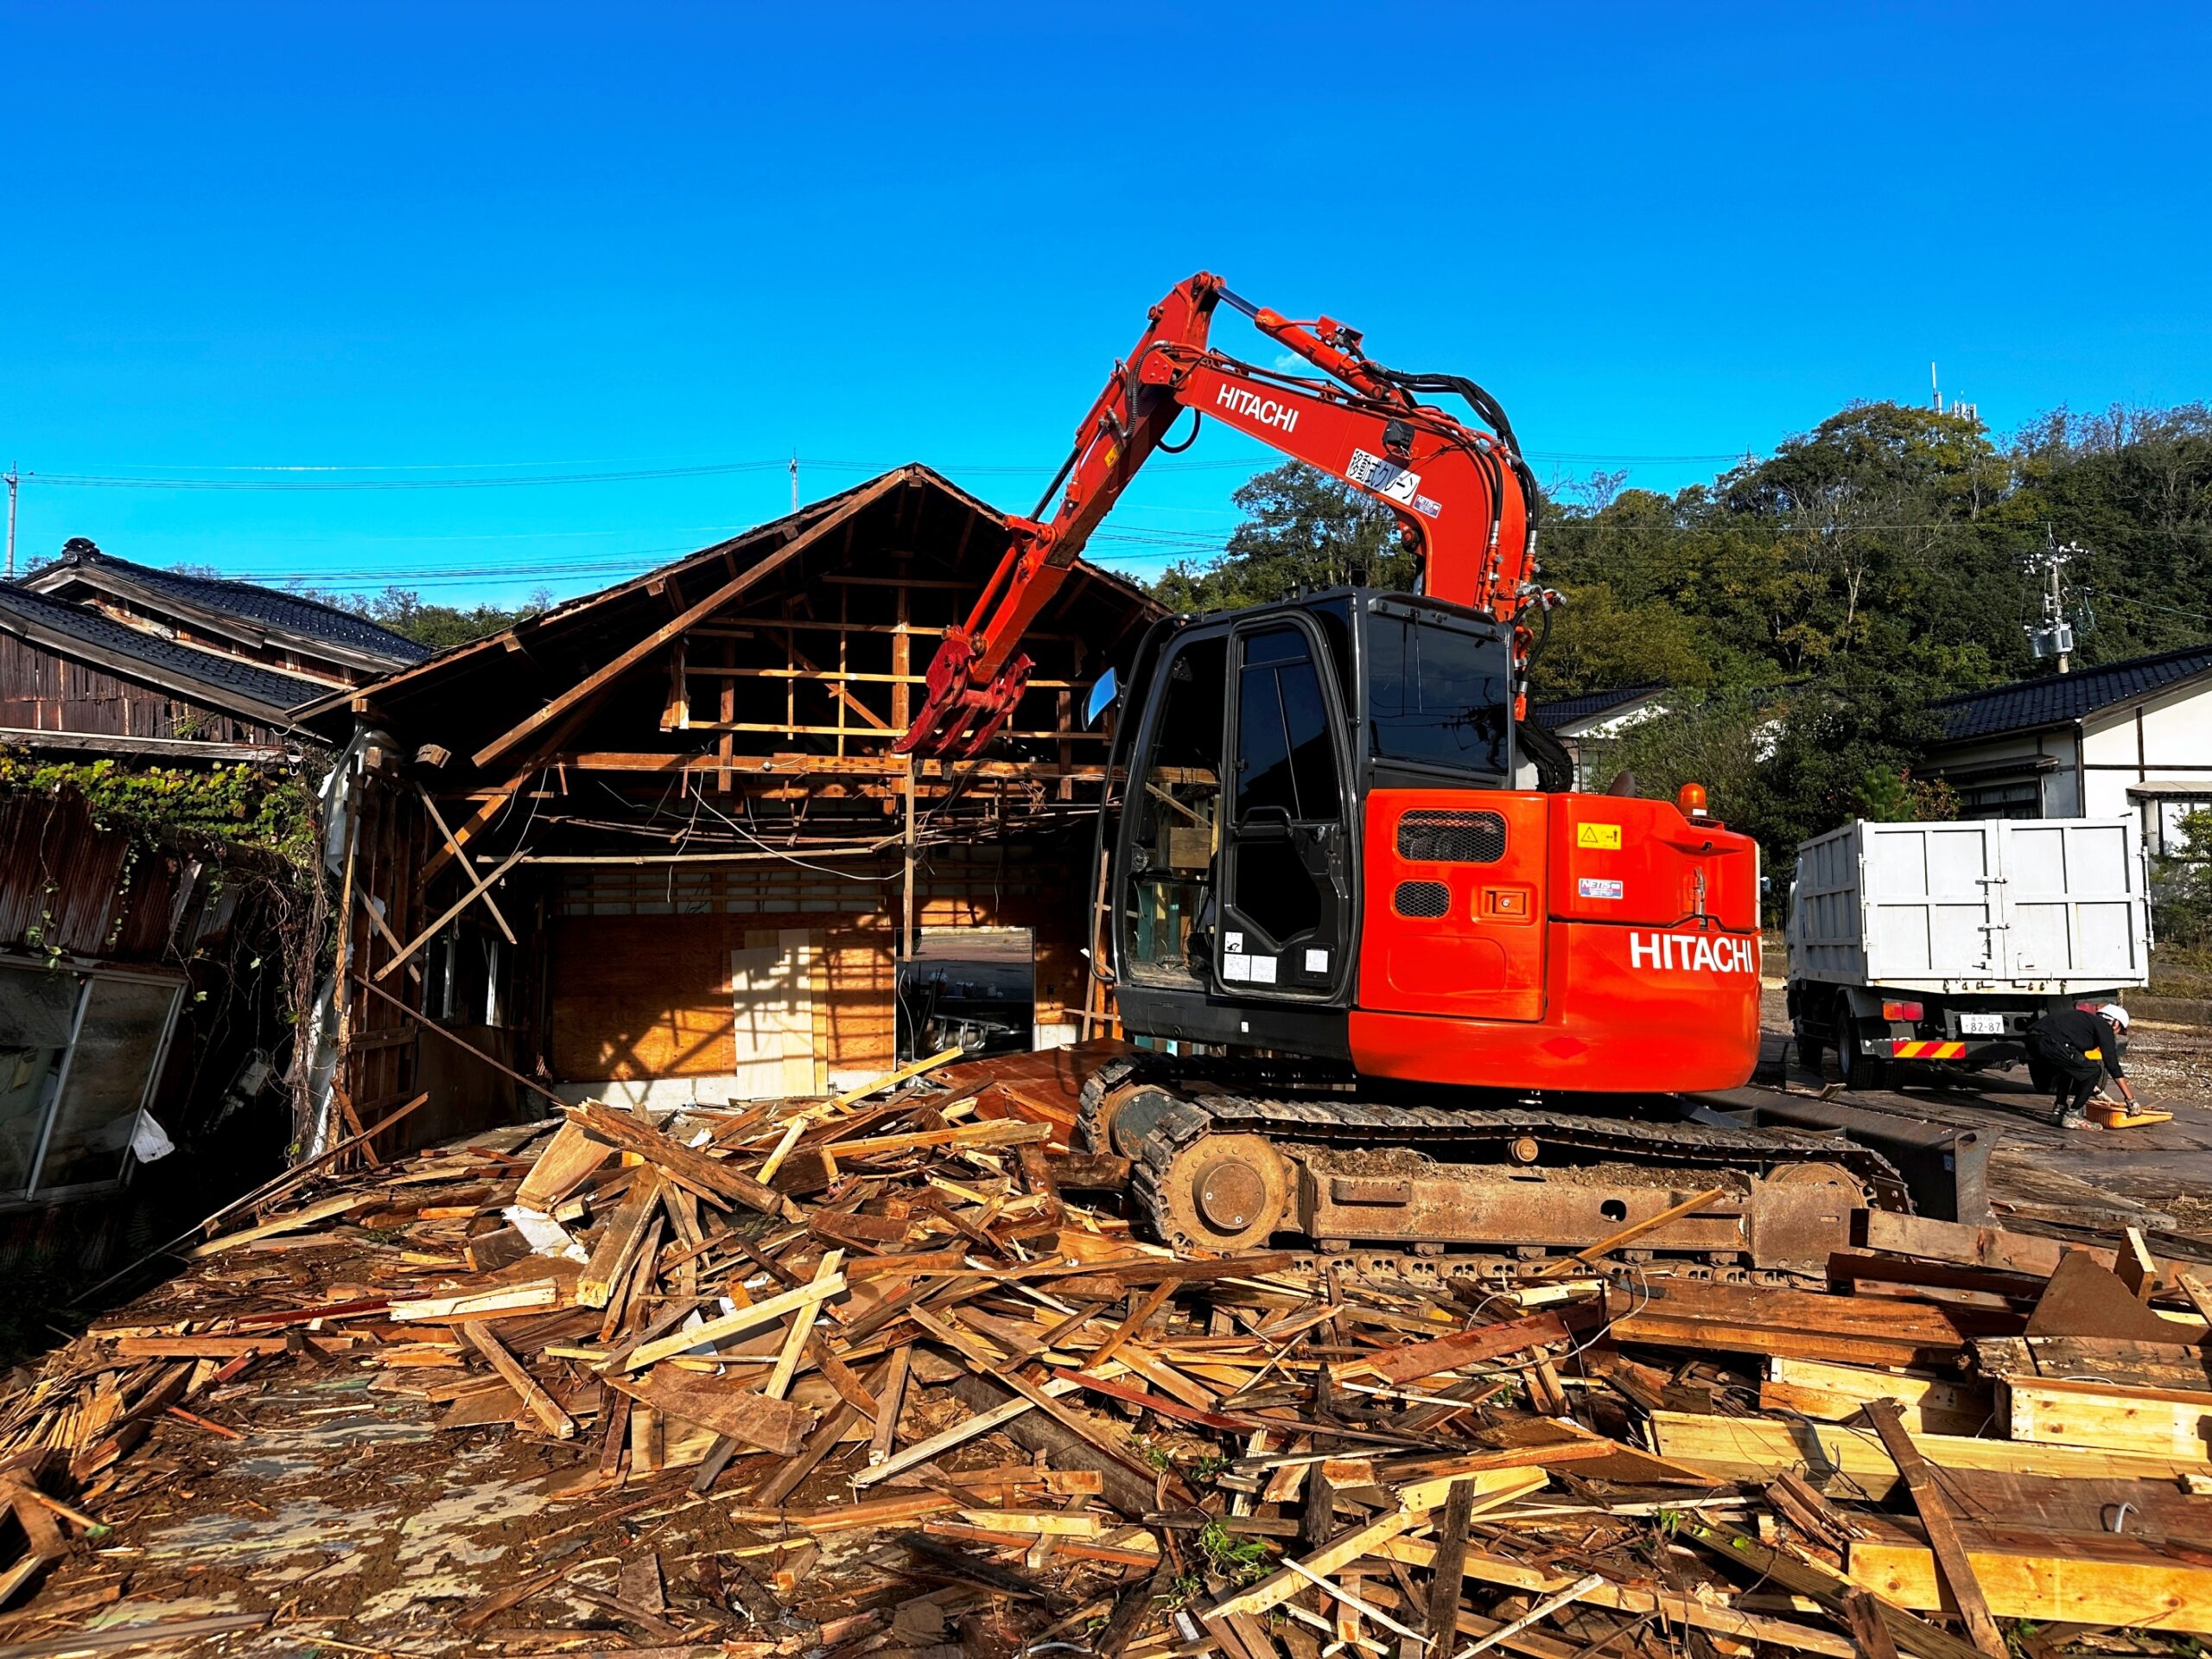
(726,715)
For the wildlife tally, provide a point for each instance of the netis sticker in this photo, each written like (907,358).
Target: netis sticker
(1598,834)
(1598,887)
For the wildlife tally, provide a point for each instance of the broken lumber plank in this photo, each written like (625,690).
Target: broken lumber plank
(891,1399)
(477,1305)
(1828,1586)
(693,1168)
(1679,1609)
(726,1407)
(981,1423)
(1808,1325)
(1757,1448)
(2133,1365)
(2060,1411)
(569,1159)
(1942,1527)
(734,1323)
(803,1317)
(614,1254)
(323,1209)
(1287,1581)
(1966,1246)
(1451,1557)
(1836,1392)
(996,1135)
(1416,1360)
(540,1404)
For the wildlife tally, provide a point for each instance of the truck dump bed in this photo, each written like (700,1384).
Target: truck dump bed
(2055,906)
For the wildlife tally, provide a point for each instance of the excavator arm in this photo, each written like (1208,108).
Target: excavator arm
(1464,501)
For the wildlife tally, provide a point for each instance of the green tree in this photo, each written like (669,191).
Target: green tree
(407,613)
(1302,530)
(1598,644)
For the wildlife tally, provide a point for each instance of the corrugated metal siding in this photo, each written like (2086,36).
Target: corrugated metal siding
(67,886)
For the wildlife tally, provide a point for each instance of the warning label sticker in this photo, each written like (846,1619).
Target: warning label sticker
(1598,834)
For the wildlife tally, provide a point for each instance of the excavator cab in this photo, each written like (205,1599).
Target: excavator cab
(1325,842)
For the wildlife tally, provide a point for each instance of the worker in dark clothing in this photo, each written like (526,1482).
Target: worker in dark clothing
(2081,1048)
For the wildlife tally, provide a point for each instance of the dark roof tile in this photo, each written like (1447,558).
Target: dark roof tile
(250,602)
(226,679)
(1565,711)
(2032,705)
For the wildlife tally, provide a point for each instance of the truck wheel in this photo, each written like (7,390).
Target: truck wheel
(1860,1070)
(1808,1046)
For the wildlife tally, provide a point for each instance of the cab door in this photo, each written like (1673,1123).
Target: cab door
(1286,906)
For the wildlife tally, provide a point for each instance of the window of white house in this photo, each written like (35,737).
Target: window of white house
(79,1051)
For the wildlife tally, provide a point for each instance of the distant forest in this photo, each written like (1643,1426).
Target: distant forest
(1811,604)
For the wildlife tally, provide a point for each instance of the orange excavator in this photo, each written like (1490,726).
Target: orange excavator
(1393,974)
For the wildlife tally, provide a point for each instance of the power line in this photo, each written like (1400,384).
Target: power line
(228,478)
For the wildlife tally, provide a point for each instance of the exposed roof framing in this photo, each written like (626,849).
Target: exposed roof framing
(755,687)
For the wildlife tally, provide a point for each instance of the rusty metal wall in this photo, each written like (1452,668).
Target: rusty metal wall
(41,690)
(69,886)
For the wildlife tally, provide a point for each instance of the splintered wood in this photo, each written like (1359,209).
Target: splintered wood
(938,1403)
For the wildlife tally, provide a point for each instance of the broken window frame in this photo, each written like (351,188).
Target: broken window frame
(88,976)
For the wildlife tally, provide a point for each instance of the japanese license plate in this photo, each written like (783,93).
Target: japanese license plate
(1981,1024)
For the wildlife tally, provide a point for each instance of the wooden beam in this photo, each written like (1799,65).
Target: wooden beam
(454,847)
(474,824)
(2172,1422)
(626,660)
(1757,1448)
(542,1405)
(451,910)
(2064,1578)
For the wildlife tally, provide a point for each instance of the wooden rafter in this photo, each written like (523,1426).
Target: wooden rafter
(605,675)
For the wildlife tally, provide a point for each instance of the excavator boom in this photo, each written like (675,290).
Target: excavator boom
(1462,498)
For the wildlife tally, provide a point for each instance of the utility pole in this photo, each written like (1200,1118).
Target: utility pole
(2053,635)
(14,478)
(794,481)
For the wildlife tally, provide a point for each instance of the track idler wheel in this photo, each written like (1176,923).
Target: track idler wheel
(1225,1192)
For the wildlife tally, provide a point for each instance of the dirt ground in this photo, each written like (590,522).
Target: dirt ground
(2067,1183)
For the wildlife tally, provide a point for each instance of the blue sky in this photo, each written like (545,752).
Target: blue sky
(471,242)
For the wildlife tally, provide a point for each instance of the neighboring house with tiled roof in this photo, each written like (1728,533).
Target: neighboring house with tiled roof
(72,678)
(286,632)
(2132,736)
(1588,723)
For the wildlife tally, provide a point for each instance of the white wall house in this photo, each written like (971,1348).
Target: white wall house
(2133,736)
(1586,726)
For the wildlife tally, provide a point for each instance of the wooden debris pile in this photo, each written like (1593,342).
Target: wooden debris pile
(947,1408)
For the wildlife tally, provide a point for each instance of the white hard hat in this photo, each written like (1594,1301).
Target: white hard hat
(2116,1015)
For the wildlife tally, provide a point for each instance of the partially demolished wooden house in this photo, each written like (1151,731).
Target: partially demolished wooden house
(654,846)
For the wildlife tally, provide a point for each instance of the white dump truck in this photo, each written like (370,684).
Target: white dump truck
(1938,945)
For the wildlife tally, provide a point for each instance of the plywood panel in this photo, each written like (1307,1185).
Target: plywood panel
(638,997)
